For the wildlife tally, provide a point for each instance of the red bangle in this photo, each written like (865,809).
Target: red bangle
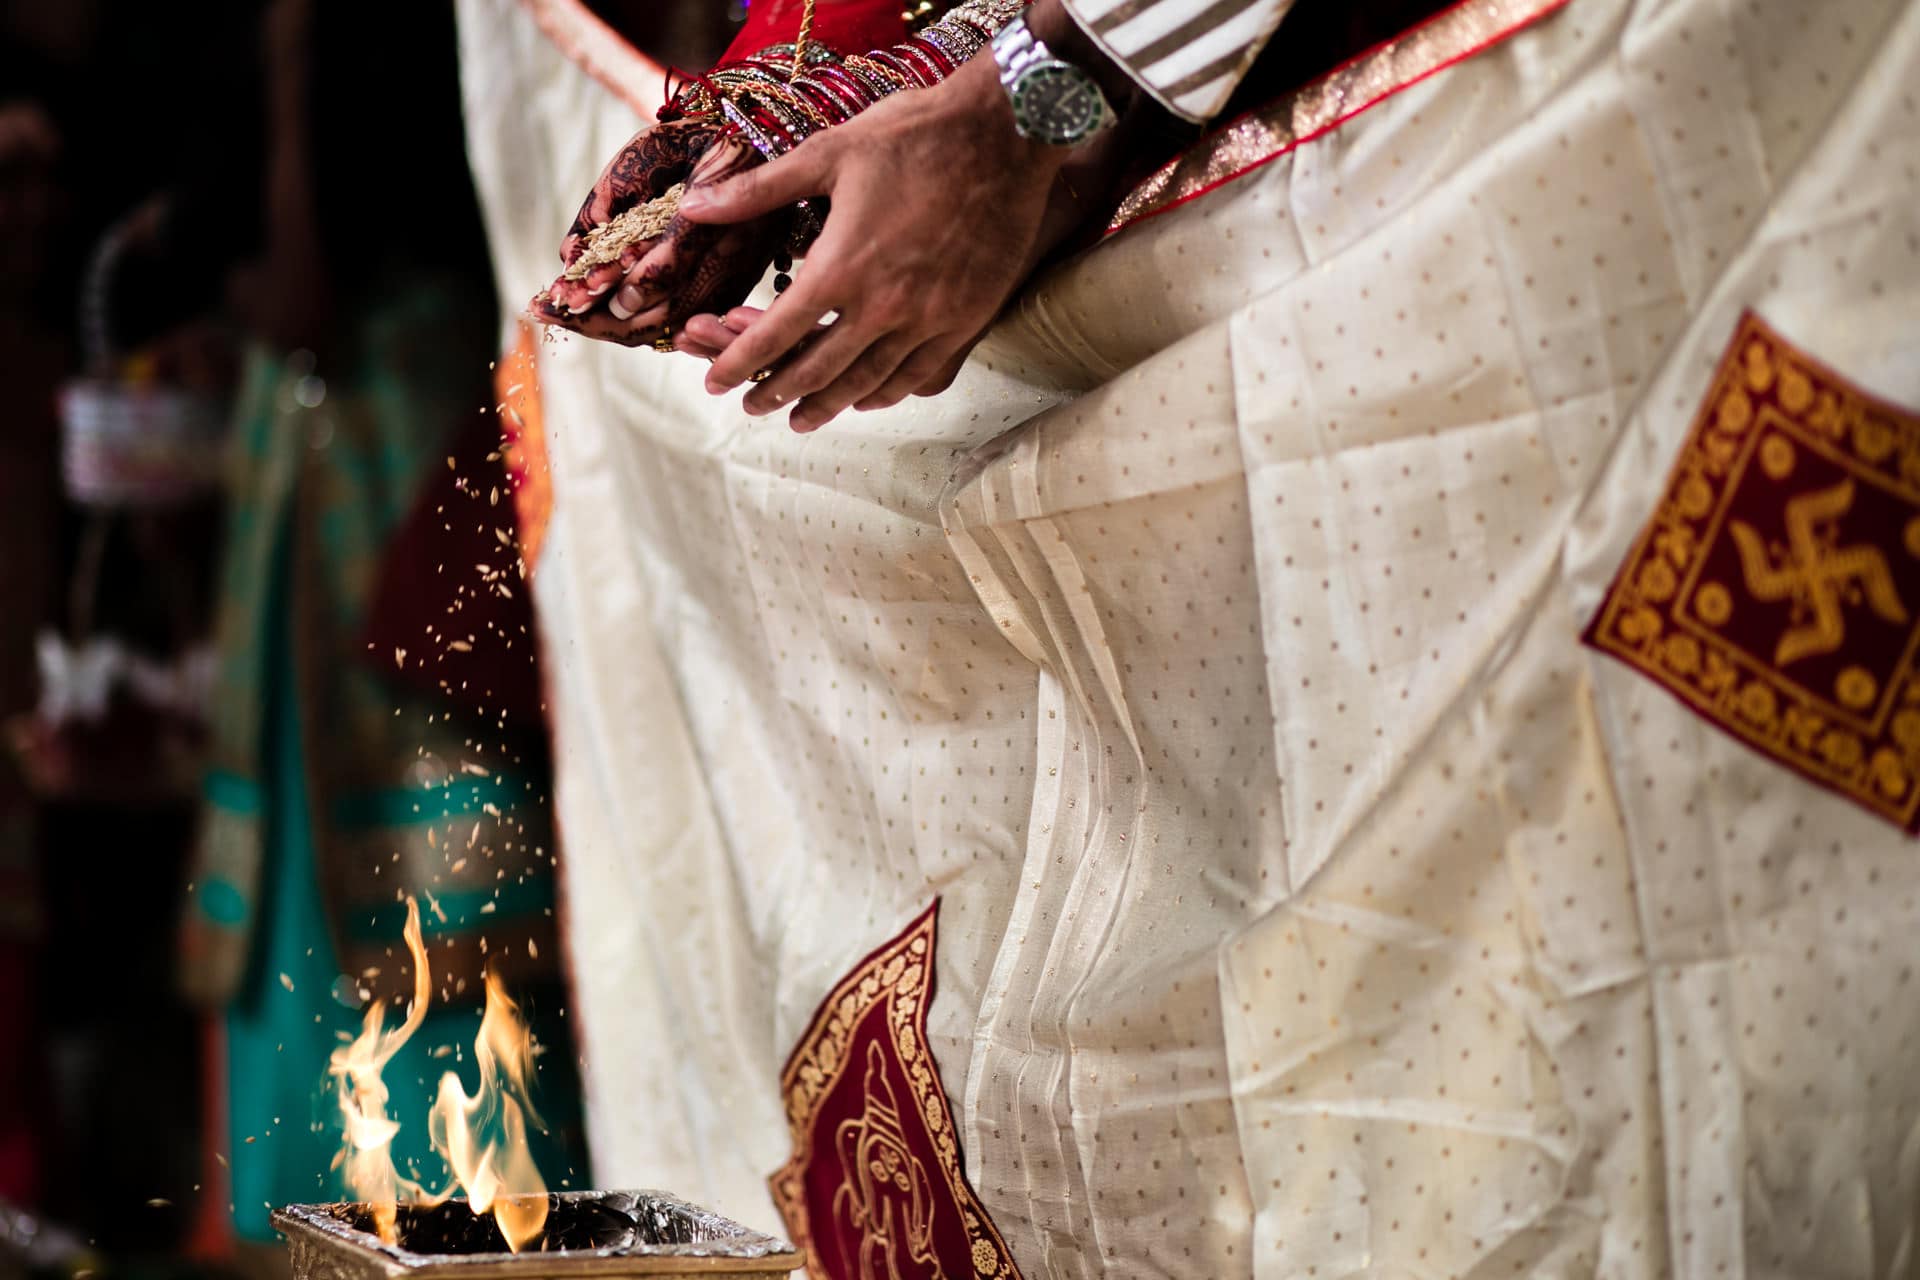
(933,71)
(872,83)
(942,62)
(908,71)
(828,80)
(828,96)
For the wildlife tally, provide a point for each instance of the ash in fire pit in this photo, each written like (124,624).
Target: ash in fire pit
(597,1233)
(453,1227)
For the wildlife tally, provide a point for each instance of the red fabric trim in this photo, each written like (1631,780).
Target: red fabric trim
(601,52)
(1322,132)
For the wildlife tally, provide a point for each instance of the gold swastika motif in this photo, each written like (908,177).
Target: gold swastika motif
(1774,588)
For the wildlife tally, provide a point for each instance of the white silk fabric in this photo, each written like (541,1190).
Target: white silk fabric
(1313,903)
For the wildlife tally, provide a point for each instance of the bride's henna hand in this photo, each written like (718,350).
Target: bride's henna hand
(652,161)
(690,269)
(694,267)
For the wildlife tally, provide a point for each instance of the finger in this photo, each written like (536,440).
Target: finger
(586,292)
(709,331)
(944,376)
(791,318)
(642,329)
(721,332)
(641,288)
(814,367)
(805,171)
(593,212)
(929,362)
(702,268)
(867,374)
(687,345)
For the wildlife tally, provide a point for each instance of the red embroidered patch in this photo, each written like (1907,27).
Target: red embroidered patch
(1776,588)
(876,1188)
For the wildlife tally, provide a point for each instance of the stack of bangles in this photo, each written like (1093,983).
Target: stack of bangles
(775,110)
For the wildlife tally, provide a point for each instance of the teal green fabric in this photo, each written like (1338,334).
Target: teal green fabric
(326,466)
(335,790)
(283,1121)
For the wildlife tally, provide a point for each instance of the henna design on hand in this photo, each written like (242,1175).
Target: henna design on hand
(652,161)
(692,268)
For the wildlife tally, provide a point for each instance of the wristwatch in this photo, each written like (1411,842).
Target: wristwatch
(1054,102)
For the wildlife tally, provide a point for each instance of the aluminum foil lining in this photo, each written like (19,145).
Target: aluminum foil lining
(589,1233)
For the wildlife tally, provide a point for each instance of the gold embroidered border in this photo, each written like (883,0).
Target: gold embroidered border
(900,976)
(1856,731)
(1313,109)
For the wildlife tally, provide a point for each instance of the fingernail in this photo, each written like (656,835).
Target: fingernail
(803,422)
(694,199)
(624,303)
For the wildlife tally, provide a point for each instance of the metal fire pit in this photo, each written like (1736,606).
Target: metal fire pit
(589,1233)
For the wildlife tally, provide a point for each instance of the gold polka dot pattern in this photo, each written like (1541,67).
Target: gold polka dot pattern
(1313,904)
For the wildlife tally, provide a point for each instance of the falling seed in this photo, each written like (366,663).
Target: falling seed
(222,1159)
(486,908)
(399,660)
(533,949)
(449,462)
(458,866)
(159,1202)
(460,646)
(286,982)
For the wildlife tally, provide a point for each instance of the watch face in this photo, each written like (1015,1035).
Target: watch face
(1056,103)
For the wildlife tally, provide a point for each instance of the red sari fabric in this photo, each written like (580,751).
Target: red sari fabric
(845,26)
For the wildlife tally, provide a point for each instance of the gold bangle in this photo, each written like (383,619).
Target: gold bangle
(780,95)
(897,79)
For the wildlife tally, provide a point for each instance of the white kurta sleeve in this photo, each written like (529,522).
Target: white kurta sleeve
(1189,54)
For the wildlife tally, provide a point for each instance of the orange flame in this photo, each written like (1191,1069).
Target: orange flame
(366,1153)
(497,1172)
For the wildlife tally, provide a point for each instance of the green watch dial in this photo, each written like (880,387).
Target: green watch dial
(1056,103)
